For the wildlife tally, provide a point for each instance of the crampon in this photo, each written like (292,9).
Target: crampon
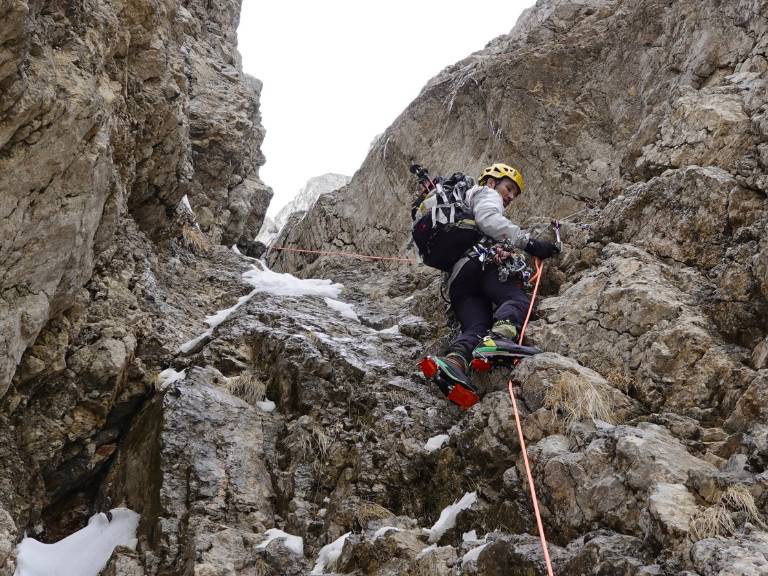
(452,383)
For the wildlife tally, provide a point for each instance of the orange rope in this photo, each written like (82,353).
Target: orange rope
(535,278)
(534,499)
(347,254)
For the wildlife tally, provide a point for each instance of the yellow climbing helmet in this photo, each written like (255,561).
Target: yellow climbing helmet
(499,171)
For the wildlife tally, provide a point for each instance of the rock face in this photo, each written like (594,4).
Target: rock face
(220,409)
(303,201)
(645,422)
(110,111)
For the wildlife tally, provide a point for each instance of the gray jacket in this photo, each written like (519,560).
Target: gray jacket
(488,210)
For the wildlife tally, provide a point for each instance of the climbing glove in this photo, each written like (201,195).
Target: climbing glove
(541,248)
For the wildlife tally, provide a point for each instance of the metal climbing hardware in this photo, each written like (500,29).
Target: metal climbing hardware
(558,241)
(511,263)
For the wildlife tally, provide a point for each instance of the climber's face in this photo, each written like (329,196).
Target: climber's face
(507,189)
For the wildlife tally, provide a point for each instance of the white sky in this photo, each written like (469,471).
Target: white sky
(336,73)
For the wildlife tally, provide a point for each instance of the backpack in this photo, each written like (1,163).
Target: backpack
(444,228)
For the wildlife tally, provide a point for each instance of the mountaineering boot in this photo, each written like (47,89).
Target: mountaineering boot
(496,349)
(505,329)
(450,375)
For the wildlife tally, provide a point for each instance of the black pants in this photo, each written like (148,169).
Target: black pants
(473,294)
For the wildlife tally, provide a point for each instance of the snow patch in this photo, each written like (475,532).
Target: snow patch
(383,530)
(436,442)
(426,551)
(429,549)
(329,554)
(185,202)
(447,518)
(189,345)
(266,405)
(169,376)
(264,280)
(84,553)
(391,330)
(470,536)
(288,285)
(342,308)
(473,554)
(294,543)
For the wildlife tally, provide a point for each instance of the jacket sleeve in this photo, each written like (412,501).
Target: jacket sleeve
(488,209)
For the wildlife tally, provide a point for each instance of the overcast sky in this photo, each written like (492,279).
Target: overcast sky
(337,73)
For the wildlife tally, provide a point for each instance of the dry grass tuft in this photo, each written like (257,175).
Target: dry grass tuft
(246,386)
(717,520)
(314,339)
(574,400)
(193,239)
(154,381)
(739,499)
(619,380)
(368,511)
(261,568)
(321,440)
(312,445)
(711,522)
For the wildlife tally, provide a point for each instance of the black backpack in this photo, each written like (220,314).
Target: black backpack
(444,229)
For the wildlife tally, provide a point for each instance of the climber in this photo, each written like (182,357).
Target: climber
(475,284)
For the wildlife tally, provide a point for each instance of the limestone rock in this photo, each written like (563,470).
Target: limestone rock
(8,535)
(305,198)
(124,562)
(201,498)
(671,507)
(517,556)
(743,557)
(99,124)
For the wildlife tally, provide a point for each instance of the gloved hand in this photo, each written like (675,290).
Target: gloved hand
(541,248)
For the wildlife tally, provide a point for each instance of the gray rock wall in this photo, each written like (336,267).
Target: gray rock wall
(109,113)
(114,108)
